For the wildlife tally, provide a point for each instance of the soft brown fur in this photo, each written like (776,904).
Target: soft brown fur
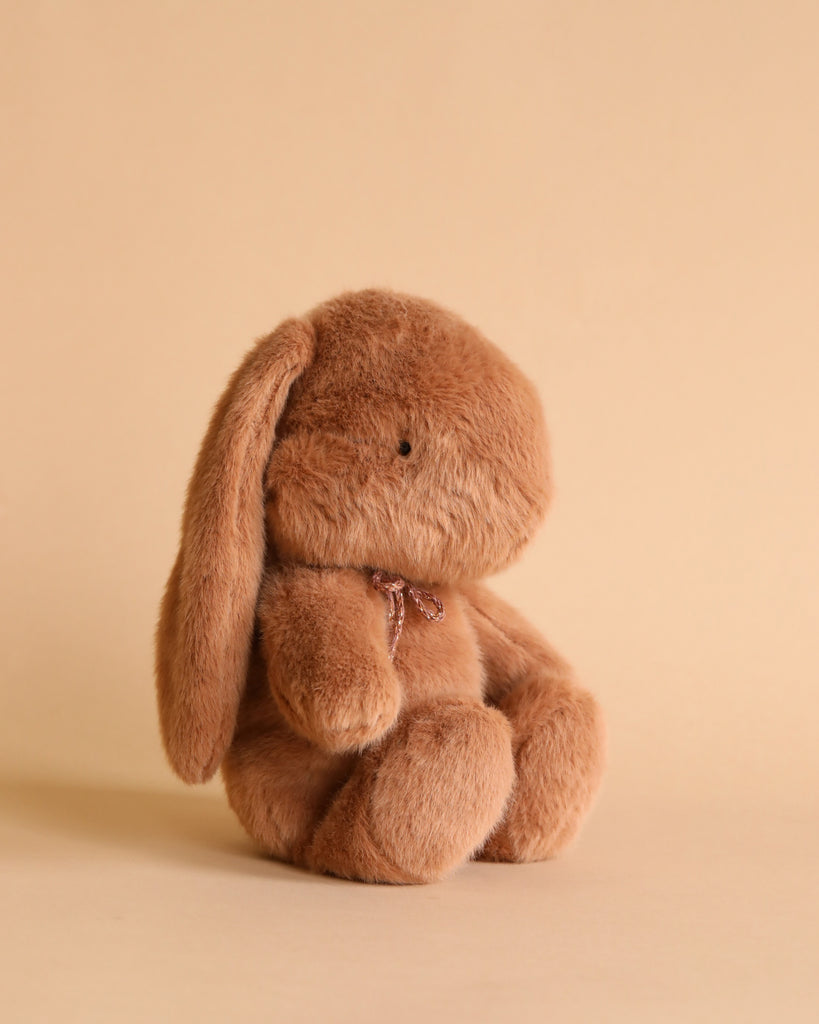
(272,645)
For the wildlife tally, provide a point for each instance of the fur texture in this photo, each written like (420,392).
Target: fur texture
(379,432)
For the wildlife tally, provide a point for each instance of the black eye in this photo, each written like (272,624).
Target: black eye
(404,447)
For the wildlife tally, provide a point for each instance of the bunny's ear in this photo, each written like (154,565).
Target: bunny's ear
(207,615)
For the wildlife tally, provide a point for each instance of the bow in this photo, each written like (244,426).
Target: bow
(394,587)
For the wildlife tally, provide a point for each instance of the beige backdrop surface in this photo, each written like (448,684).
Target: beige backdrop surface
(624,196)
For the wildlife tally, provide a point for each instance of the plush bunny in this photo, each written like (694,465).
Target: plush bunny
(378,714)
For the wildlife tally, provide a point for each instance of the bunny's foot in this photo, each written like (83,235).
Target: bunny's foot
(559,744)
(422,800)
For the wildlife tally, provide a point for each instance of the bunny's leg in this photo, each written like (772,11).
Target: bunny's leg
(280,785)
(558,735)
(558,746)
(420,801)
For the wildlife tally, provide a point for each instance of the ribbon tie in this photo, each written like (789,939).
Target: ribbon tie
(394,587)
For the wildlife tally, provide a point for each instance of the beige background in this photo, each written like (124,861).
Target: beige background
(624,196)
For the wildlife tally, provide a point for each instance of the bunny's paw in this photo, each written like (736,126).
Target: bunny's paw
(342,714)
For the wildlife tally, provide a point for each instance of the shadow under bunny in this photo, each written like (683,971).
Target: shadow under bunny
(163,826)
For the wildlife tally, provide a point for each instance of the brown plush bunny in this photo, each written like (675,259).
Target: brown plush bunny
(377,712)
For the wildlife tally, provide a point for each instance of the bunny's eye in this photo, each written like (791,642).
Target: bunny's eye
(404,448)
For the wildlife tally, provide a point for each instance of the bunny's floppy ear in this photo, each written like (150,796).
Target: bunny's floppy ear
(207,615)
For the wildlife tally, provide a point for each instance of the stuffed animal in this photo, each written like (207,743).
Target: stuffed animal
(377,712)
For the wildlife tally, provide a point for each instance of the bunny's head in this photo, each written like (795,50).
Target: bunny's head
(379,432)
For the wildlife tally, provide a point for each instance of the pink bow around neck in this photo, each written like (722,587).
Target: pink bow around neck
(394,587)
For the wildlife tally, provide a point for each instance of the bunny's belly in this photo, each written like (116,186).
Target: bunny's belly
(438,659)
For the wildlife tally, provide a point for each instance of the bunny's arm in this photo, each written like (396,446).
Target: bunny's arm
(324,641)
(512,651)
